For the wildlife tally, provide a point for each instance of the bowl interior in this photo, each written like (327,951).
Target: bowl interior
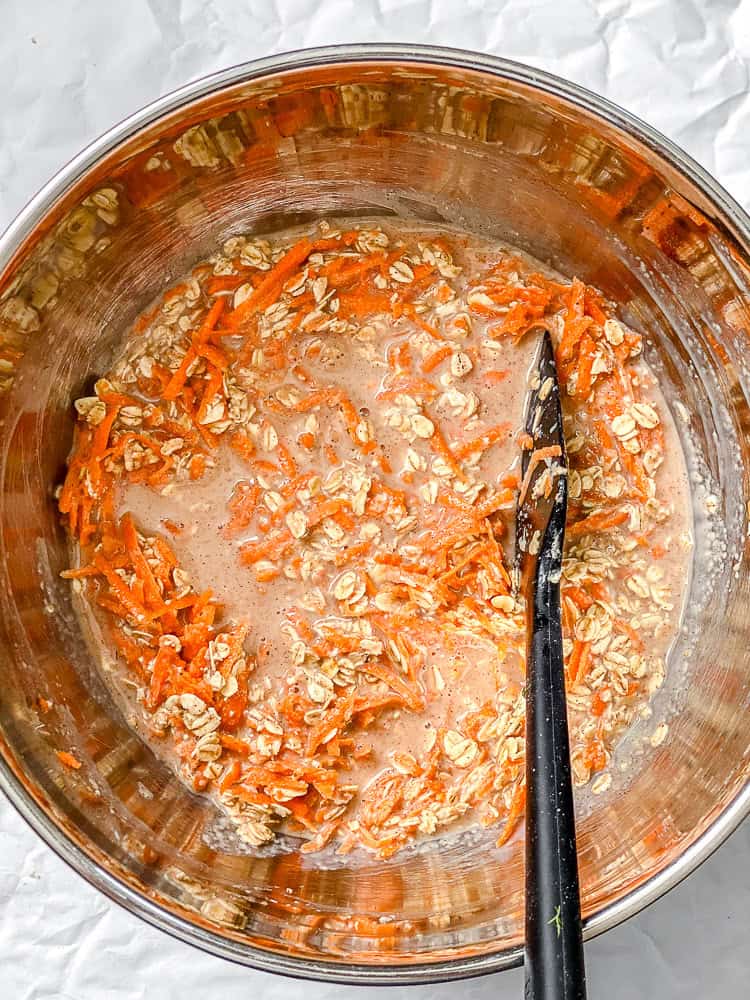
(325,136)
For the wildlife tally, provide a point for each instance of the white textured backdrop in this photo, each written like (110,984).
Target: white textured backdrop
(71,68)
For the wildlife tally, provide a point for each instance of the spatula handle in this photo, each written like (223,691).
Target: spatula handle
(554,944)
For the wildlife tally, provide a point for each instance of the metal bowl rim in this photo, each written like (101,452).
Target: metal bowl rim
(24,224)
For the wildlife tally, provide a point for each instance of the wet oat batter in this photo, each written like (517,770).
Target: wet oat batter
(293,498)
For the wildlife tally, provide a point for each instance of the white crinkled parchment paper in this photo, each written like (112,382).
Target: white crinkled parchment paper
(70,69)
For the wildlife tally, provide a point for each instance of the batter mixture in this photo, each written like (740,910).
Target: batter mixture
(293,499)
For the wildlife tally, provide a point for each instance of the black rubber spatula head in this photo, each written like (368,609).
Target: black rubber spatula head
(554,944)
(543,497)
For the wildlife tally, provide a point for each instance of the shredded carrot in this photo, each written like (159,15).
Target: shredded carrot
(231,776)
(264,293)
(287,463)
(598,521)
(140,564)
(177,381)
(595,756)
(576,323)
(242,505)
(517,806)
(598,705)
(410,694)
(481,443)
(237,746)
(586,366)
(337,719)
(431,362)
(68,760)
(579,659)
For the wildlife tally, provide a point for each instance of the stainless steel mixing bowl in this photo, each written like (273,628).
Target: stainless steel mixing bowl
(438,134)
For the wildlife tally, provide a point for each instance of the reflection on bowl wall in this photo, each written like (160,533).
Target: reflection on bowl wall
(443,136)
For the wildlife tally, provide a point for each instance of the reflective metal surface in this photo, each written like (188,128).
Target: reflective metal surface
(441,135)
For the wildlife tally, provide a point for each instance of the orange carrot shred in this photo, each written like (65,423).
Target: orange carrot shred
(431,362)
(68,760)
(177,380)
(517,806)
(598,521)
(263,294)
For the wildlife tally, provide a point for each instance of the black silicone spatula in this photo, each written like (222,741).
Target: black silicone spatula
(554,944)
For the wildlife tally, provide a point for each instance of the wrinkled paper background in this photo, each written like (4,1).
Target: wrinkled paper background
(69,71)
